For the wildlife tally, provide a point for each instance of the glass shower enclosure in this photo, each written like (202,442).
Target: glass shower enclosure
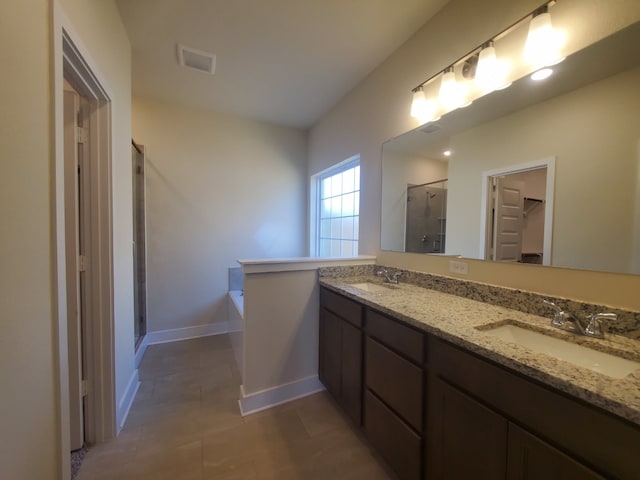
(425,227)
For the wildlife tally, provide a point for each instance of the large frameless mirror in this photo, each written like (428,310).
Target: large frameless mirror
(555,162)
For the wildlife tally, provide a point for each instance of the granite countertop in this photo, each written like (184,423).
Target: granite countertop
(461,321)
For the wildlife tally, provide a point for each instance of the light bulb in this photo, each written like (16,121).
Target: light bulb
(419,102)
(490,72)
(422,108)
(451,93)
(542,47)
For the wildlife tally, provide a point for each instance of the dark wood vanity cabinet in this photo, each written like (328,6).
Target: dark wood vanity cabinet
(436,411)
(340,351)
(394,393)
(486,422)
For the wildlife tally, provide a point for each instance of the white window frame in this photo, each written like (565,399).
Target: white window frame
(314,201)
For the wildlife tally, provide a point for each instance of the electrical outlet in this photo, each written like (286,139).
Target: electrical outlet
(461,268)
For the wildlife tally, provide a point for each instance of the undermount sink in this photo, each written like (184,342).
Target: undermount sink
(370,287)
(579,355)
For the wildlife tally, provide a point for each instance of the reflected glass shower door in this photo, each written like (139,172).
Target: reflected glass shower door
(426,217)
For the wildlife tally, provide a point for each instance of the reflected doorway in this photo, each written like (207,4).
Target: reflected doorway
(517,213)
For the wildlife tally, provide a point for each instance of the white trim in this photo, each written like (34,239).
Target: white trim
(313,215)
(237,298)
(173,335)
(141,349)
(127,399)
(301,263)
(271,397)
(550,164)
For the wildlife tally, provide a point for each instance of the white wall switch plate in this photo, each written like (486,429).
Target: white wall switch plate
(458,267)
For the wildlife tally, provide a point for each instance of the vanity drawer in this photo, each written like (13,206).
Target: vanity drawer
(405,340)
(347,309)
(392,438)
(398,382)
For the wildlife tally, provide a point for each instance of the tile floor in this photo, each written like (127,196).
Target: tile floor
(185,425)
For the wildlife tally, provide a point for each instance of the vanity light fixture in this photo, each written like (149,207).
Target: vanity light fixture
(452,93)
(490,72)
(449,89)
(483,70)
(418,102)
(422,108)
(542,47)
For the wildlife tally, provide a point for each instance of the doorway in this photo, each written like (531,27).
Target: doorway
(517,213)
(77,199)
(84,250)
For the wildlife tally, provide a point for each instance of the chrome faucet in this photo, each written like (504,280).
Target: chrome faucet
(591,326)
(559,315)
(383,272)
(595,327)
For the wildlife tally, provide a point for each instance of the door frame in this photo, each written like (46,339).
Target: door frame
(140,254)
(485,202)
(72,61)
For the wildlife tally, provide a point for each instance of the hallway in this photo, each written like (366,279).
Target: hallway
(185,425)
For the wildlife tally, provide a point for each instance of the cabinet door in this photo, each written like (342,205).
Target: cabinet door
(351,382)
(330,350)
(465,439)
(392,438)
(530,458)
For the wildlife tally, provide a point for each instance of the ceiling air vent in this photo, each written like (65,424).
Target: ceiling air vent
(197,59)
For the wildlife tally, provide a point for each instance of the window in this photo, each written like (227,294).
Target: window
(336,208)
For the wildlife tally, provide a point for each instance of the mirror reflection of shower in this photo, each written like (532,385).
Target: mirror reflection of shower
(425,225)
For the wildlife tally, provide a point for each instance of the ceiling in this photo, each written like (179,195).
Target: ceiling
(286,62)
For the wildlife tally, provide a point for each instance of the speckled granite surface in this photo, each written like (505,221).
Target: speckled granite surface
(627,323)
(461,321)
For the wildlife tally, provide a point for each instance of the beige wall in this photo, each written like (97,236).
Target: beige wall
(280,337)
(28,427)
(28,345)
(378,109)
(219,188)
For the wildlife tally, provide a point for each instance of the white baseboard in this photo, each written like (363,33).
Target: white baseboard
(141,349)
(124,405)
(271,397)
(163,336)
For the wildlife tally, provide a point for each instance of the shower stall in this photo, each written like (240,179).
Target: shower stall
(425,227)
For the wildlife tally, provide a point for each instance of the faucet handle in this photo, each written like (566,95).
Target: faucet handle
(559,316)
(595,327)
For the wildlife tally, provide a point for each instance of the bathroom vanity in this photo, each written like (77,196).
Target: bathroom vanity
(440,397)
